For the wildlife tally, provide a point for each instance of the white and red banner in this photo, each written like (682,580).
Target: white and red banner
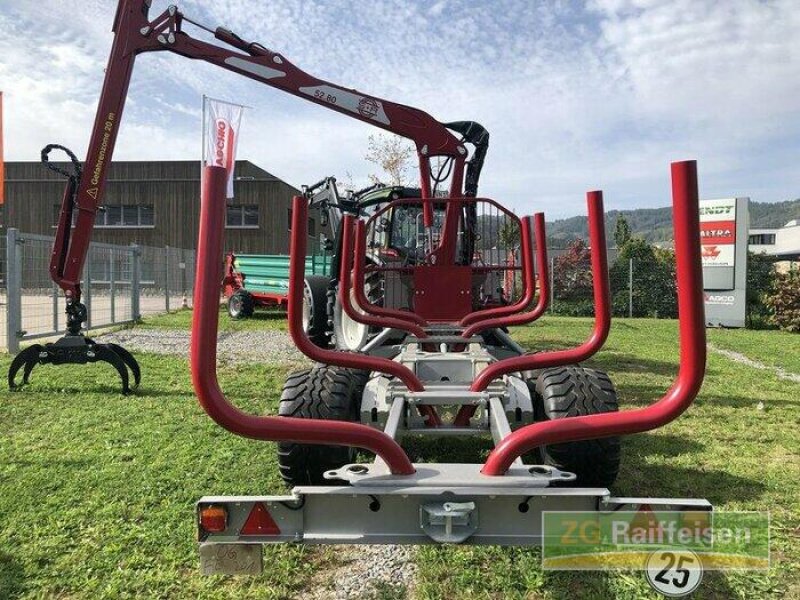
(718,232)
(221,125)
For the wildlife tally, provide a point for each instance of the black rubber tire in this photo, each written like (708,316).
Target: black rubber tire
(323,392)
(574,391)
(241,305)
(315,290)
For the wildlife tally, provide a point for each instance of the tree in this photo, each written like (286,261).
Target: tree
(784,300)
(654,288)
(509,235)
(572,281)
(392,154)
(622,231)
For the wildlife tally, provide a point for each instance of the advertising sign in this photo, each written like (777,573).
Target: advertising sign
(724,226)
(718,232)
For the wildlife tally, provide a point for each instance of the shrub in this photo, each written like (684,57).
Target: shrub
(784,300)
(760,272)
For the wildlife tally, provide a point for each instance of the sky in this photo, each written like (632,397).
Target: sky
(600,94)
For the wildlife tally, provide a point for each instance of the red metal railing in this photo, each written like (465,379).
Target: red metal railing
(345,269)
(602,311)
(529,283)
(203,353)
(685,213)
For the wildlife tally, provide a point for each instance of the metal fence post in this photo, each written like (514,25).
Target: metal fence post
(166,277)
(182,267)
(191,265)
(136,282)
(87,287)
(630,288)
(112,288)
(56,297)
(552,286)
(13,290)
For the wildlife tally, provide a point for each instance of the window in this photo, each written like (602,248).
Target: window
(242,216)
(762,239)
(116,215)
(311,224)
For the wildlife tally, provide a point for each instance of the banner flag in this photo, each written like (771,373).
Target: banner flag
(221,123)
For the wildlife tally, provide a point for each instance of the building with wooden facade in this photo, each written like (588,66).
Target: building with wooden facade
(157,203)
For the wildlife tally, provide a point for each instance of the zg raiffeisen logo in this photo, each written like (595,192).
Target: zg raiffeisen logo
(674,548)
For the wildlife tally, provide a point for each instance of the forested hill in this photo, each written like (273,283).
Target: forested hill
(655,224)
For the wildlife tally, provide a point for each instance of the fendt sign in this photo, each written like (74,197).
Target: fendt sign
(724,228)
(718,232)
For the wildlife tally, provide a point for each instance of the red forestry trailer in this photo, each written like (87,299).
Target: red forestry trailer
(440,363)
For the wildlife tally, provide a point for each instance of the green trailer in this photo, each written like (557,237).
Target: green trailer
(262,280)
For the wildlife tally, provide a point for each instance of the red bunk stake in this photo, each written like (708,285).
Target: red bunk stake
(465,412)
(358,284)
(685,213)
(203,352)
(432,418)
(543,277)
(528,279)
(297,268)
(602,312)
(345,270)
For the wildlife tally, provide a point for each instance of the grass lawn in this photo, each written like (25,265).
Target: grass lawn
(97,489)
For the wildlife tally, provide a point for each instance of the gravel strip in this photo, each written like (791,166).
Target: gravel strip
(744,360)
(241,346)
(369,572)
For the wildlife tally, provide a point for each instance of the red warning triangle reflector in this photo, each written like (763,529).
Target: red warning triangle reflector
(645,519)
(259,522)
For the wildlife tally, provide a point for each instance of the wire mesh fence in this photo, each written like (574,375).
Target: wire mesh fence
(3,295)
(641,286)
(119,285)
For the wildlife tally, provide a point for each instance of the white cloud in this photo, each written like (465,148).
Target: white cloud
(574,98)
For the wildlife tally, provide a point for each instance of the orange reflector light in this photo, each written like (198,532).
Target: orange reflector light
(259,522)
(214,518)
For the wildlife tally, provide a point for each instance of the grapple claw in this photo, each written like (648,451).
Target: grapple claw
(75,349)
(102,352)
(129,360)
(28,358)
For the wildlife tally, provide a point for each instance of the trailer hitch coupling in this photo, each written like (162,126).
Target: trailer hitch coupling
(449,522)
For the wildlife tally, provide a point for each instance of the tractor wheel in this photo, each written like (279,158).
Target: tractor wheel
(571,392)
(323,392)
(315,310)
(241,305)
(348,334)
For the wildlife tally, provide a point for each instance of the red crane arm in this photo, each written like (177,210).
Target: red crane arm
(135,33)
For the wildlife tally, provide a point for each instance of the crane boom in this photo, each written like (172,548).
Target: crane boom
(135,33)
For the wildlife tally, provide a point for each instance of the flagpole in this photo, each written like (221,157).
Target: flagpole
(2,163)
